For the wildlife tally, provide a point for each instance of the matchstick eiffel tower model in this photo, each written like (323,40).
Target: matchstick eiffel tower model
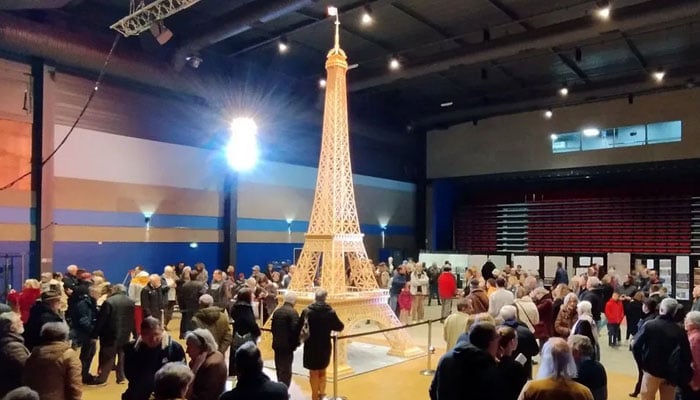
(334,242)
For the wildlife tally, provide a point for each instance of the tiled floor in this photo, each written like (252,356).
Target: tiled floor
(404,381)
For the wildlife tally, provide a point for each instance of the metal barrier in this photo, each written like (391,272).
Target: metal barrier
(335,337)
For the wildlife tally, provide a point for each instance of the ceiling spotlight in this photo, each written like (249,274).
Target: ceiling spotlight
(630,99)
(161,32)
(603,10)
(332,11)
(394,64)
(658,75)
(283,45)
(446,104)
(690,83)
(591,132)
(367,15)
(564,91)
(553,136)
(194,61)
(322,83)
(548,114)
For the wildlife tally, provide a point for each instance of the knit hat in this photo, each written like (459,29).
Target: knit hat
(50,295)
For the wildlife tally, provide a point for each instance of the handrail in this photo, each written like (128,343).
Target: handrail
(394,328)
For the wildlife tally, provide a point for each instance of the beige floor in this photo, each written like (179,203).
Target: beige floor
(403,381)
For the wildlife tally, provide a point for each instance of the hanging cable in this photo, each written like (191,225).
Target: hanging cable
(80,116)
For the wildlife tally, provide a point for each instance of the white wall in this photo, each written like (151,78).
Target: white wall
(521,142)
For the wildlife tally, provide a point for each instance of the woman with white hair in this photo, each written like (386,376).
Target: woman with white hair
(170,280)
(172,381)
(207,364)
(692,325)
(13,354)
(586,326)
(555,376)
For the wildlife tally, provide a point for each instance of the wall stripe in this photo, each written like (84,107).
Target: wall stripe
(16,232)
(73,233)
(16,215)
(136,220)
(281,174)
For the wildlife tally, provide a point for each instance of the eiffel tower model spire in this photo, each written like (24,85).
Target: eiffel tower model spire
(334,244)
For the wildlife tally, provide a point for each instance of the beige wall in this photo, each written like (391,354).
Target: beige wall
(521,142)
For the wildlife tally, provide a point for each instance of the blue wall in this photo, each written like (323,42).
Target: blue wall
(250,254)
(117,258)
(443,212)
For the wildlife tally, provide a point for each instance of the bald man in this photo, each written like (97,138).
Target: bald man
(153,298)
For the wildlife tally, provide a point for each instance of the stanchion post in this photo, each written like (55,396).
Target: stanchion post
(429,371)
(335,368)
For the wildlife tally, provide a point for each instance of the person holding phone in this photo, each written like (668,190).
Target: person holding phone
(511,368)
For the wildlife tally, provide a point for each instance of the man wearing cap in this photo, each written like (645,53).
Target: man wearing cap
(42,312)
(215,320)
(285,325)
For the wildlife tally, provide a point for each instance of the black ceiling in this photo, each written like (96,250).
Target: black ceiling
(487,57)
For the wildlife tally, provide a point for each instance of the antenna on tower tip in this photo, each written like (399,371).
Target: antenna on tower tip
(333,12)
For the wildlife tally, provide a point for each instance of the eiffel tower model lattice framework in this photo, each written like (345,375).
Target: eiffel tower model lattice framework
(334,244)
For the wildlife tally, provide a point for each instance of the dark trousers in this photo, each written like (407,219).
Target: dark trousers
(614,336)
(185,323)
(433,293)
(169,308)
(106,361)
(283,365)
(88,348)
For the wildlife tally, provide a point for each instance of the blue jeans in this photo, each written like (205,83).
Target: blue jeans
(393,303)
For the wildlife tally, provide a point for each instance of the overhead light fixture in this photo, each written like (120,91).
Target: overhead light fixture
(161,32)
(194,61)
(283,45)
(630,99)
(553,136)
(603,9)
(564,91)
(690,83)
(591,132)
(658,75)
(484,74)
(332,11)
(548,114)
(353,66)
(487,35)
(394,64)
(578,55)
(367,15)
(446,104)
(322,83)
(475,122)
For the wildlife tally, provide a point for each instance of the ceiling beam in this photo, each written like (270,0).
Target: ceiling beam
(633,17)
(598,91)
(311,21)
(377,42)
(425,21)
(528,27)
(635,52)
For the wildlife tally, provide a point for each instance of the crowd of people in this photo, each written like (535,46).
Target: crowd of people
(507,319)
(55,325)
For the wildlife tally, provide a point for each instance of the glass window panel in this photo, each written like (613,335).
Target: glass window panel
(604,139)
(630,136)
(566,142)
(664,132)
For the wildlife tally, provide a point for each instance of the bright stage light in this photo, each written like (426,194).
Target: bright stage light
(548,114)
(394,64)
(322,83)
(242,150)
(659,75)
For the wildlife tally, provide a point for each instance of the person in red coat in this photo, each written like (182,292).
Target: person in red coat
(615,313)
(23,301)
(447,289)
(544,329)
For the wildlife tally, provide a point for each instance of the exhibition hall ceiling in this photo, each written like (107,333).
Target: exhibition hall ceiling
(430,64)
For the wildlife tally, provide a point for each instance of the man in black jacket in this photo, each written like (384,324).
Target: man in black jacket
(322,320)
(115,322)
(662,350)
(145,356)
(252,382)
(83,316)
(188,299)
(42,312)
(285,325)
(469,370)
(153,298)
(594,295)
